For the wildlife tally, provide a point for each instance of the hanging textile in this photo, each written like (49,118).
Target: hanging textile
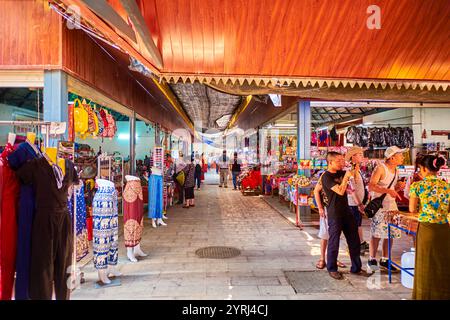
(106,233)
(155,196)
(8,224)
(82,243)
(24,153)
(51,236)
(133,215)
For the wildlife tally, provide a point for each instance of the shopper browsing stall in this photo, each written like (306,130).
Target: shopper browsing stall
(384,181)
(357,193)
(322,202)
(179,166)
(340,218)
(431,197)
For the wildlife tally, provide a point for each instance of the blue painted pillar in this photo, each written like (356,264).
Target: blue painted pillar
(303,147)
(55,99)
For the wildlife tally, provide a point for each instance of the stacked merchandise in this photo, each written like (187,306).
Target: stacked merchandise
(90,121)
(250,179)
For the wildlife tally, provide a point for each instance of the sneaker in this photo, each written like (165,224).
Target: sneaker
(385,264)
(372,265)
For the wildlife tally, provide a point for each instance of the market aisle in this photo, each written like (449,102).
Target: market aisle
(269,246)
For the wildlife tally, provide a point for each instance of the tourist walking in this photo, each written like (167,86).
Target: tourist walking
(340,218)
(223,163)
(189,184)
(198,172)
(431,196)
(235,167)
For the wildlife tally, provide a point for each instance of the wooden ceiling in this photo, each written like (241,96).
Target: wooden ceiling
(301,38)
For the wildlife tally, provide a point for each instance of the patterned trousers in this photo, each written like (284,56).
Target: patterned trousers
(105,229)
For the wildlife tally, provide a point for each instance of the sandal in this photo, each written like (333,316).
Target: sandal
(186,207)
(321,264)
(341,265)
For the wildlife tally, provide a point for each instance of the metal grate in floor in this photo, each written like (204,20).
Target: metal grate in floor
(218,252)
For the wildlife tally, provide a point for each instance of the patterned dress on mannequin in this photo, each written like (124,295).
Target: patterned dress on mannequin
(133,215)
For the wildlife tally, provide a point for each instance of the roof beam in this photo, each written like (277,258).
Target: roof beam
(144,38)
(108,14)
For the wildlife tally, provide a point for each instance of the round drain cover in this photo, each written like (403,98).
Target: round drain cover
(218,252)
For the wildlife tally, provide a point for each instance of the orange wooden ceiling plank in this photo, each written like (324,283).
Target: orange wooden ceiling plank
(198,45)
(402,61)
(384,59)
(338,47)
(219,39)
(407,58)
(298,52)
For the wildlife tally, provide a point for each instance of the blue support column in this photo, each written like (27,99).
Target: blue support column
(303,147)
(55,99)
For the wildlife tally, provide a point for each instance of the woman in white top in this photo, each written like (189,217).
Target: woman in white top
(384,181)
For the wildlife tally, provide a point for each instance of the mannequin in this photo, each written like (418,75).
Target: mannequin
(106,233)
(133,217)
(156,197)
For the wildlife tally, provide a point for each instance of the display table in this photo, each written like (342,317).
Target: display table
(408,225)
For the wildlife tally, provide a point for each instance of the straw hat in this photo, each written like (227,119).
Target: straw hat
(352,151)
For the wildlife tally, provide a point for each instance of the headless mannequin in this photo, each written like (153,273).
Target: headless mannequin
(103,273)
(132,252)
(159,221)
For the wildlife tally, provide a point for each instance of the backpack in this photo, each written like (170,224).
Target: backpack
(80,116)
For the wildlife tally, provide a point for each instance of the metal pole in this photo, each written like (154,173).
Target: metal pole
(133,143)
(303,149)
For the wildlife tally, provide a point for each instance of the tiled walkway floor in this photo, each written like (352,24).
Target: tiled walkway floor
(269,245)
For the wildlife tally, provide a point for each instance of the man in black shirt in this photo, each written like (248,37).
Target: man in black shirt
(340,218)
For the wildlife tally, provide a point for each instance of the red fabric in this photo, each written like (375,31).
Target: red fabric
(8,226)
(89,225)
(253,180)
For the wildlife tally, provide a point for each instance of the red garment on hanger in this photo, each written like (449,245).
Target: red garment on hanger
(9,201)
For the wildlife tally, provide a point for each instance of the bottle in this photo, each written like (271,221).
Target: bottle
(408,261)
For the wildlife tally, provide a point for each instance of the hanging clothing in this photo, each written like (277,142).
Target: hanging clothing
(106,232)
(51,236)
(82,243)
(8,224)
(155,196)
(133,213)
(17,159)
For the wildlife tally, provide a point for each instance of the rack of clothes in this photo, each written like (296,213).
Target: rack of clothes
(35,225)
(402,137)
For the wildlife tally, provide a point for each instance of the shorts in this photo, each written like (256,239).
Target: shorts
(189,193)
(323,229)
(379,227)
(357,215)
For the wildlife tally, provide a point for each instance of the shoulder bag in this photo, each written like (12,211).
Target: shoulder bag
(377,203)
